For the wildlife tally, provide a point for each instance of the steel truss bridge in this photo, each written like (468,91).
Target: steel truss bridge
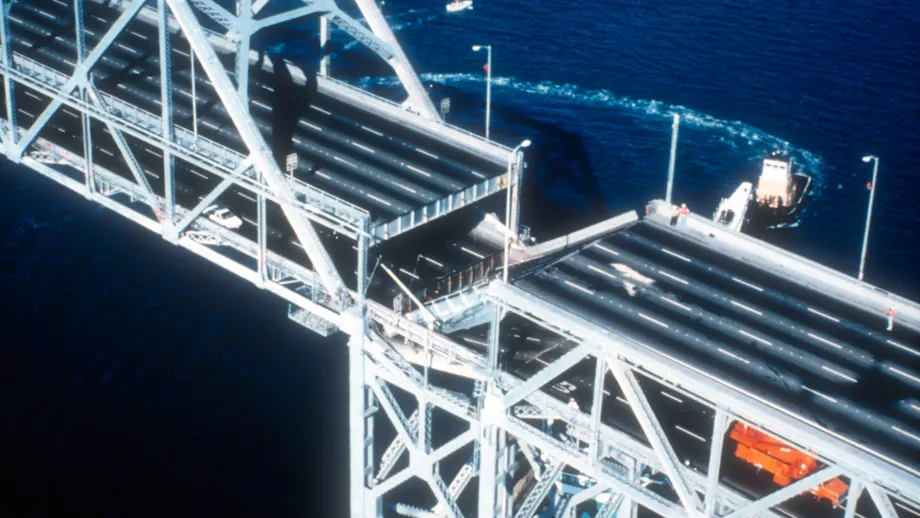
(158,110)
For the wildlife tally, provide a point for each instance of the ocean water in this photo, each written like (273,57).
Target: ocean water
(136,380)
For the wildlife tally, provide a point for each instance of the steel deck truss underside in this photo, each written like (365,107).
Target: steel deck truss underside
(437,428)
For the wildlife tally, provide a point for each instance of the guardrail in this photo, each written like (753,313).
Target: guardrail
(439,208)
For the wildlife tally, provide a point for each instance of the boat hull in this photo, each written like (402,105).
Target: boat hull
(762,216)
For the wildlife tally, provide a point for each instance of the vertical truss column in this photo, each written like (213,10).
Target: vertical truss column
(243,36)
(719,427)
(491,439)
(263,235)
(169,218)
(597,405)
(515,178)
(323,41)
(80,37)
(361,401)
(12,133)
(853,494)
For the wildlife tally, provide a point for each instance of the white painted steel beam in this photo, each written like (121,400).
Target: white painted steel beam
(418,97)
(719,428)
(79,76)
(655,435)
(546,375)
(882,501)
(853,493)
(261,155)
(796,488)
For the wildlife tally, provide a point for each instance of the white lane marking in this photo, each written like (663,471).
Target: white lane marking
(369,130)
(907,375)
(422,151)
(314,126)
(270,89)
(621,400)
(733,355)
(371,196)
(183,54)
(915,407)
(251,222)
(106,151)
(480,175)
(410,274)
(828,342)
(244,195)
(472,253)
(317,108)
(532,339)
(678,304)
(359,146)
(604,248)
(417,170)
(199,174)
(60,3)
(755,337)
(742,306)
(675,254)
(432,261)
(650,319)
(598,270)
(296,140)
(905,432)
(541,360)
(30,94)
(749,285)
(139,35)
(151,173)
(819,394)
(691,434)
(578,287)
(261,104)
(413,191)
(74,115)
(27,114)
(346,162)
(825,315)
(295,243)
(840,374)
(322,174)
(904,347)
(209,124)
(678,279)
(129,49)
(672,397)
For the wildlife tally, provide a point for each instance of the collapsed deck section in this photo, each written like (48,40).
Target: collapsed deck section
(706,299)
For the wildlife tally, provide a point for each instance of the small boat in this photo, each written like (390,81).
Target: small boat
(459,5)
(780,192)
(733,210)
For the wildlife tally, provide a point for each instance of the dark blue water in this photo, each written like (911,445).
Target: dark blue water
(137,380)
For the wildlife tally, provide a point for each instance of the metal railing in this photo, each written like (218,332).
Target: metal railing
(439,208)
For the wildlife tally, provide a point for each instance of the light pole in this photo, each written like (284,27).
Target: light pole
(511,160)
(476,48)
(674,128)
(862,258)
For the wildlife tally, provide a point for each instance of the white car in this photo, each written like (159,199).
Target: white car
(222,216)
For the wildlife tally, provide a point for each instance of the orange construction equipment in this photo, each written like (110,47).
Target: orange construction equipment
(785,463)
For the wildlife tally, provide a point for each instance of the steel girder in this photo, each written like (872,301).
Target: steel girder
(877,474)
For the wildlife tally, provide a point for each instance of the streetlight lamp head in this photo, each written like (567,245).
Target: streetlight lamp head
(526,143)
(476,48)
(868,158)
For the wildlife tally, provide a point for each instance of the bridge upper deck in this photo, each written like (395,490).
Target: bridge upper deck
(403,171)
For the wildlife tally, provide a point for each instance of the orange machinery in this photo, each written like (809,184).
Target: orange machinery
(782,461)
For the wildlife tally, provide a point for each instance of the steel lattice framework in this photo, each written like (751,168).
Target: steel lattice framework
(449,440)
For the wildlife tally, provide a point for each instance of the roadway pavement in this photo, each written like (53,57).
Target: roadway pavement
(788,343)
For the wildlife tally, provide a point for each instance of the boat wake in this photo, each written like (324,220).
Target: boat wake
(732,133)
(402,21)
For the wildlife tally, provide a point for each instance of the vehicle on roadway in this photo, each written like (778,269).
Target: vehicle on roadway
(222,216)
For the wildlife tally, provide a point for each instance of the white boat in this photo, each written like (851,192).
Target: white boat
(733,210)
(459,5)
